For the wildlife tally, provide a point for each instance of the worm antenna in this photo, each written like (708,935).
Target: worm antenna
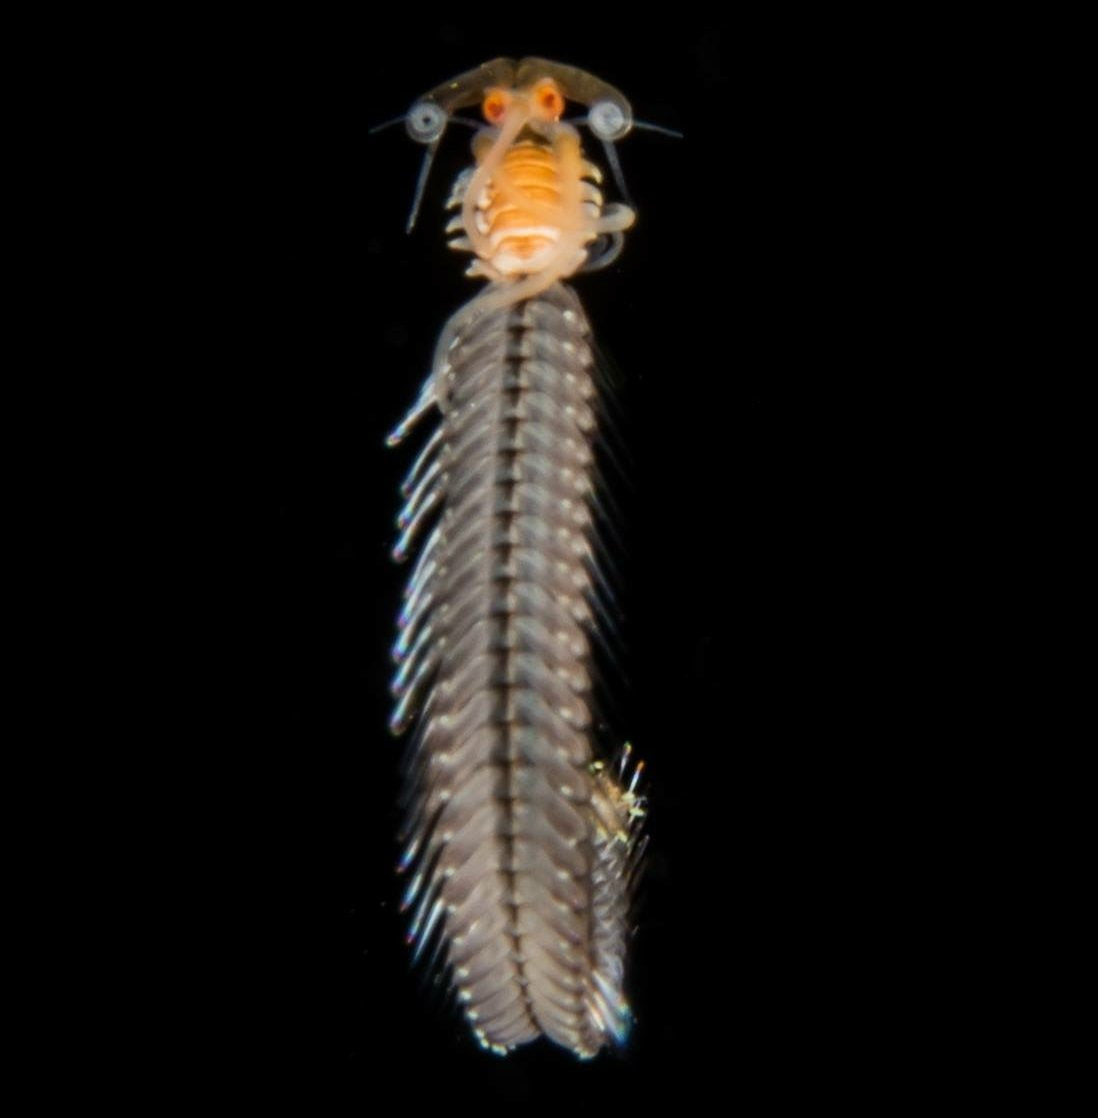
(385,124)
(674,133)
(425,122)
(615,170)
(421,185)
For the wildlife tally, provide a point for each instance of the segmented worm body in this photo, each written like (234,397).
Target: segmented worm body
(522,842)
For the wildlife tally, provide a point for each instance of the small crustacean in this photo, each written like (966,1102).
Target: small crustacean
(522,843)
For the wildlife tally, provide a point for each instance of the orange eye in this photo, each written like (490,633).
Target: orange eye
(495,105)
(548,99)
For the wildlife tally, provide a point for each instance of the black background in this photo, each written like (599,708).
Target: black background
(755,324)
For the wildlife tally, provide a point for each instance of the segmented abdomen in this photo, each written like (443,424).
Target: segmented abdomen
(521,237)
(520,843)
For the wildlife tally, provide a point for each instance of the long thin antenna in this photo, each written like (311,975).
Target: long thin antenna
(421,184)
(387,124)
(672,132)
(615,169)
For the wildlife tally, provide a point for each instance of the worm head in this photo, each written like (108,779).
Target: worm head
(533,87)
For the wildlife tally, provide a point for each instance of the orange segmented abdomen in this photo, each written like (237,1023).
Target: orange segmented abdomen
(521,240)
